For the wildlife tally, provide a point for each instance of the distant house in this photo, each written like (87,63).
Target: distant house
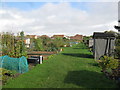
(44,36)
(68,37)
(77,37)
(27,42)
(32,36)
(58,36)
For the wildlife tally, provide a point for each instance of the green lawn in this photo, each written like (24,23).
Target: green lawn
(72,68)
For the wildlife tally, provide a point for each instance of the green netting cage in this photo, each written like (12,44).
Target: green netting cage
(18,64)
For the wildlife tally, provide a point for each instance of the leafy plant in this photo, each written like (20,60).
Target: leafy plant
(7,43)
(13,46)
(53,44)
(108,63)
(5,75)
(38,45)
(117,49)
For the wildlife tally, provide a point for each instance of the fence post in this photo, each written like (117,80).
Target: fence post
(41,59)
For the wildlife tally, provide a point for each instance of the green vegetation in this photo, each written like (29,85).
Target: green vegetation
(118,46)
(108,64)
(111,32)
(117,53)
(13,46)
(8,44)
(48,44)
(38,45)
(5,75)
(72,68)
(86,39)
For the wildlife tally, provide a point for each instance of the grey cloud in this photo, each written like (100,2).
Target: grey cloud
(62,18)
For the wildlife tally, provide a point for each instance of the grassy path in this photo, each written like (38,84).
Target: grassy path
(72,68)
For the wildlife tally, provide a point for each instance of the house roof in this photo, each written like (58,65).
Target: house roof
(31,36)
(77,37)
(58,35)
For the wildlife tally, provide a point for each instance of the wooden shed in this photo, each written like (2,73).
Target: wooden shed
(104,44)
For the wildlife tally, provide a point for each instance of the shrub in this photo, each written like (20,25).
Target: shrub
(117,53)
(38,45)
(108,63)
(5,75)
(117,49)
(12,45)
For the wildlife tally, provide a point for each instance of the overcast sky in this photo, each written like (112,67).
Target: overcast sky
(67,18)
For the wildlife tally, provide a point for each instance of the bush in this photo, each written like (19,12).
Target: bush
(5,75)
(13,46)
(117,53)
(38,45)
(108,63)
(117,49)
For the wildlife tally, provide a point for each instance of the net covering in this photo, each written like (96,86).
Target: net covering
(18,64)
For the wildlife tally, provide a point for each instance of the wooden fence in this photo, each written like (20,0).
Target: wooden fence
(45,54)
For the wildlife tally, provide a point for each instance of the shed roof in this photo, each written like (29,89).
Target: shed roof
(103,35)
